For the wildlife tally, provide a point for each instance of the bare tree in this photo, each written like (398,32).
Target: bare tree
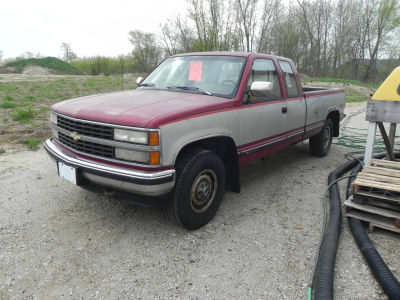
(247,18)
(270,21)
(146,51)
(176,36)
(386,19)
(323,37)
(68,54)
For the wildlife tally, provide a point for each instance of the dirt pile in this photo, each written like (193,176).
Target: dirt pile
(36,70)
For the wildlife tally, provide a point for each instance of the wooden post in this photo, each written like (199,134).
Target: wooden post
(392,134)
(369,147)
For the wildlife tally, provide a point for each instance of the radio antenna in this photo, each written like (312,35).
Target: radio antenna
(122,71)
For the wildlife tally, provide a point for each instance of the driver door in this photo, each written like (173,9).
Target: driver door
(263,119)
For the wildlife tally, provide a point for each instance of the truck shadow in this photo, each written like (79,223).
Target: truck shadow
(259,181)
(274,164)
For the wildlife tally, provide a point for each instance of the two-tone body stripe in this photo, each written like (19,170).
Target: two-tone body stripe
(247,106)
(295,134)
(275,140)
(314,126)
(269,143)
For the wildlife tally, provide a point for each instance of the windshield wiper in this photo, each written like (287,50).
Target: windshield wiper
(185,88)
(147,84)
(189,88)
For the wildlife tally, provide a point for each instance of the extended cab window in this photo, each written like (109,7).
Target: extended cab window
(290,79)
(211,75)
(264,70)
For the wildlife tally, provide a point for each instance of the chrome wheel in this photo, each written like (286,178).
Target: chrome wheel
(203,190)
(326,137)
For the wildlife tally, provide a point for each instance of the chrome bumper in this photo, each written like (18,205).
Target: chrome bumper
(119,178)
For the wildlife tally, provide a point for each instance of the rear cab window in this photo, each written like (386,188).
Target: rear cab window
(290,79)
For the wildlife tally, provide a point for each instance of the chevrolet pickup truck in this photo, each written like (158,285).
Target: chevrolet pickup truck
(189,126)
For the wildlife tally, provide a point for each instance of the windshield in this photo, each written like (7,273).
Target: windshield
(211,75)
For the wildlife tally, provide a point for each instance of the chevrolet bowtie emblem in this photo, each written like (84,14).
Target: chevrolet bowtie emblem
(75,136)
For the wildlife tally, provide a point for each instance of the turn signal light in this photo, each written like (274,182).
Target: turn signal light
(154,139)
(154,158)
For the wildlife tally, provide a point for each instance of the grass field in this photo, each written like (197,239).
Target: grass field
(25,100)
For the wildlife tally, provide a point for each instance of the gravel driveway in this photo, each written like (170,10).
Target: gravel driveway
(59,241)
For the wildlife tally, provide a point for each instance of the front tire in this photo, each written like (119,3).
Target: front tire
(199,188)
(321,143)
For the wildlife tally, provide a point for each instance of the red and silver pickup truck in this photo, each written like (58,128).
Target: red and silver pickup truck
(189,126)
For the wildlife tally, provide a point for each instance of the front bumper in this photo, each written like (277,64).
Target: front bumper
(150,183)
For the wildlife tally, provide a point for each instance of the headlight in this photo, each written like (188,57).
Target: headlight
(139,137)
(53,118)
(132,155)
(152,158)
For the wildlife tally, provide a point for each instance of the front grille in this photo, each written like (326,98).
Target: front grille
(86,147)
(83,128)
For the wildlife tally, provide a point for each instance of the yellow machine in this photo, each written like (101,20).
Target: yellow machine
(384,106)
(390,88)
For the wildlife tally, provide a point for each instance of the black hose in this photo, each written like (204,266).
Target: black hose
(382,273)
(323,276)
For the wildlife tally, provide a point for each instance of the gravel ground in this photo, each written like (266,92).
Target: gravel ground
(59,241)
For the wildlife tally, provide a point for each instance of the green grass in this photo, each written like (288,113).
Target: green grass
(355,96)
(7,105)
(352,87)
(52,63)
(32,142)
(25,101)
(341,80)
(9,97)
(2,150)
(30,98)
(23,115)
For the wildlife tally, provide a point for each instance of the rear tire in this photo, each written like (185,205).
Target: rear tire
(321,143)
(199,188)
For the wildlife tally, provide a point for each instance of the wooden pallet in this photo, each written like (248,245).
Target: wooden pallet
(376,192)
(376,216)
(379,180)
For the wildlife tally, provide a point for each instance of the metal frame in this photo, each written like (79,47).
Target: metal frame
(379,111)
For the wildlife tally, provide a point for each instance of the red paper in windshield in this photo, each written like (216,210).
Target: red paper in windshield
(195,69)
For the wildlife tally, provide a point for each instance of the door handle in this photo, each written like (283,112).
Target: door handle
(284,110)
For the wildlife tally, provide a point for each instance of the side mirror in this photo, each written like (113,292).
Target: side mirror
(261,88)
(139,80)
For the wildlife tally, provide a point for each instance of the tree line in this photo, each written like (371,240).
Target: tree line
(356,39)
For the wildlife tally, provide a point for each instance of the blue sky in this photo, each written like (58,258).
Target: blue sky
(91,27)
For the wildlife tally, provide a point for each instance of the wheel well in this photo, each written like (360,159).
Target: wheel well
(226,149)
(335,117)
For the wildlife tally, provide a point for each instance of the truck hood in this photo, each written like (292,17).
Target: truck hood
(140,108)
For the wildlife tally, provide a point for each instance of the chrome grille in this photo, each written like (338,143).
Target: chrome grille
(87,147)
(83,128)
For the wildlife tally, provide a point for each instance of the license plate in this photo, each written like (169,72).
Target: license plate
(67,172)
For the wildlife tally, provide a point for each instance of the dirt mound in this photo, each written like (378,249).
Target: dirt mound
(36,70)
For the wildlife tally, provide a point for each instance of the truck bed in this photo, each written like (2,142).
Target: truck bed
(313,91)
